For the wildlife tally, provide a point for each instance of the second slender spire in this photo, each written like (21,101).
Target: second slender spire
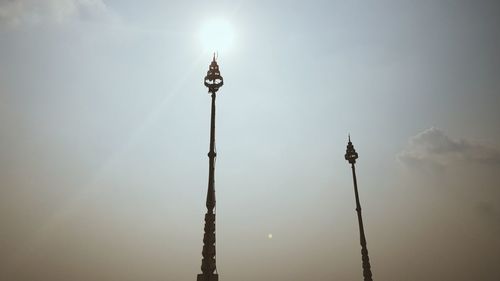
(351,155)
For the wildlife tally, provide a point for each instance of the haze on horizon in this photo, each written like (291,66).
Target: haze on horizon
(104,125)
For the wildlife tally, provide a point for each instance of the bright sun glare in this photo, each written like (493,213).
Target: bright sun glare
(217,35)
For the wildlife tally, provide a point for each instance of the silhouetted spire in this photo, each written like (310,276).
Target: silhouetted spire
(213,81)
(351,155)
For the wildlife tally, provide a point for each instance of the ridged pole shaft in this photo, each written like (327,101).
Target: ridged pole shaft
(208,264)
(367,273)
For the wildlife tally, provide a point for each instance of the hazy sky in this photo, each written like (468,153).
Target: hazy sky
(104,125)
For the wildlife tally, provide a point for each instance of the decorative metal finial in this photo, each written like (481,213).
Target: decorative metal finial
(213,80)
(351,155)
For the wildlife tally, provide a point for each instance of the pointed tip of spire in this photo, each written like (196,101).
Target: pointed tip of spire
(215,56)
(349,137)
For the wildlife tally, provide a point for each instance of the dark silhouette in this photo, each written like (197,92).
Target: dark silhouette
(213,81)
(351,155)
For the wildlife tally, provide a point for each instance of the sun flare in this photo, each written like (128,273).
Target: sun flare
(217,35)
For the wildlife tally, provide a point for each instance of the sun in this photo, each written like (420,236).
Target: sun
(217,35)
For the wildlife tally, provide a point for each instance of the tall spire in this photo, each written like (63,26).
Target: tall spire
(351,155)
(213,81)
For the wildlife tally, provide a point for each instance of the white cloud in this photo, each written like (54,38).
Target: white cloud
(433,149)
(15,12)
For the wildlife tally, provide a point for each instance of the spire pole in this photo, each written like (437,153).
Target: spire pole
(351,156)
(213,81)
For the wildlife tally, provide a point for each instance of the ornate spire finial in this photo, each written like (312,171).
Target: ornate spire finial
(213,80)
(351,155)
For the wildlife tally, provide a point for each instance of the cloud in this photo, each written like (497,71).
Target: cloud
(16,12)
(432,149)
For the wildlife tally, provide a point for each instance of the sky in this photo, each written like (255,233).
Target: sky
(104,123)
